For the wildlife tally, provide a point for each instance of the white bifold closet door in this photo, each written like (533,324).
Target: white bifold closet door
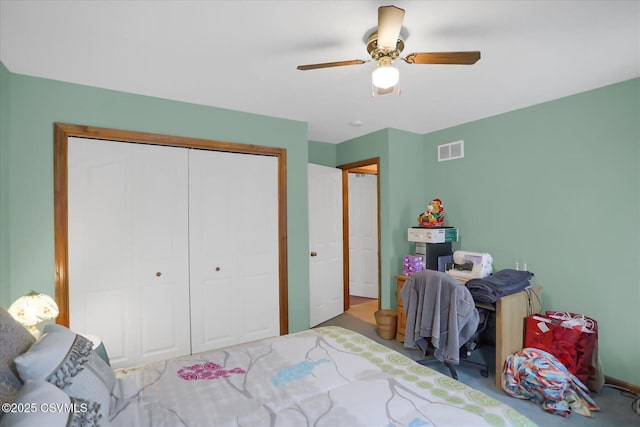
(171,250)
(128,248)
(233,233)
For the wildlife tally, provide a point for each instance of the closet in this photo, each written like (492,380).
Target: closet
(171,250)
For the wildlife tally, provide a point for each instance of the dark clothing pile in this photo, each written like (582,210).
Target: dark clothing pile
(493,287)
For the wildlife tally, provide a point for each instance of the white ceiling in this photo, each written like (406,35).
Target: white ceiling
(242,55)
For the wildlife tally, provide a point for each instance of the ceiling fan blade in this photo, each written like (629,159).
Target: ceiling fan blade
(389,26)
(331,64)
(460,58)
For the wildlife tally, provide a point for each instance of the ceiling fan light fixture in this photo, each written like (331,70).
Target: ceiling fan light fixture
(384,45)
(386,75)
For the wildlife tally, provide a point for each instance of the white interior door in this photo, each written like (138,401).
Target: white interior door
(363,235)
(128,248)
(233,229)
(326,289)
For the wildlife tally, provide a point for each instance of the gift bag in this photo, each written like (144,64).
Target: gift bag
(595,379)
(571,338)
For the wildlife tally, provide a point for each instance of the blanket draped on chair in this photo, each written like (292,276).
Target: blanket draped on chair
(441,308)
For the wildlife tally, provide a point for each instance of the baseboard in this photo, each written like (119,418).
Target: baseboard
(619,383)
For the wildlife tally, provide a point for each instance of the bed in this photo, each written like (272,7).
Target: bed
(327,376)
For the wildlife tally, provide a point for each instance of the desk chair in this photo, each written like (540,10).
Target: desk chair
(442,320)
(465,351)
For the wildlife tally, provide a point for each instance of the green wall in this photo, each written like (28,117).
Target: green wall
(556,185)
(4,184)
(30,106)
(321,153)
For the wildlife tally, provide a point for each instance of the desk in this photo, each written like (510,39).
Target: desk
(511,310)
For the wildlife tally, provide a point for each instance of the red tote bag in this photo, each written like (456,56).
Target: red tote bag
(571,338)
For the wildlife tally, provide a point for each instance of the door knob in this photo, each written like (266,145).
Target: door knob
(313,253)
(158,274)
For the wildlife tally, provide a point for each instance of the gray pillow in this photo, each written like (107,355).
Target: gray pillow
(66,360)
(15,339)
(41,404)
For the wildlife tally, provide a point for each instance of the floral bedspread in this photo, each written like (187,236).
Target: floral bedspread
(326,376)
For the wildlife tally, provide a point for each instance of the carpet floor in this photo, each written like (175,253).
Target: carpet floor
(615,407)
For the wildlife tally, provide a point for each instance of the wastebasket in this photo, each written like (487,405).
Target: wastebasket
(386,322)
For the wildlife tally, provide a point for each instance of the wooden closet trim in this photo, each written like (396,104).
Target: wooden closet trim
(63,131)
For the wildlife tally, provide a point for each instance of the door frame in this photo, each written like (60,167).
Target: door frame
(62,132)
(357,167)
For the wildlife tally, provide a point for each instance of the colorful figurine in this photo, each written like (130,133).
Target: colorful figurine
(433,216)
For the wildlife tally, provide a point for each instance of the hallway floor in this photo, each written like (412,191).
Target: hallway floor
(363,308)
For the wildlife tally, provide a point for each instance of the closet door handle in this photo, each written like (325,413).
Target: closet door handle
(217,268)
(158,274)
(313,253)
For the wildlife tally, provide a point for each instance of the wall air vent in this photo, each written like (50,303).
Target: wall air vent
(450,151)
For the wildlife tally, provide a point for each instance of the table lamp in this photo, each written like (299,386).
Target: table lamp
(33,310)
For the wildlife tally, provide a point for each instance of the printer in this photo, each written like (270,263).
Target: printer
(470,265)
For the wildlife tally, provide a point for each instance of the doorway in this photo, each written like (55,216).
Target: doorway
(361,231)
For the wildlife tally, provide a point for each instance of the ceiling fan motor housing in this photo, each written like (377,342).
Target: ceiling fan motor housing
(377,53)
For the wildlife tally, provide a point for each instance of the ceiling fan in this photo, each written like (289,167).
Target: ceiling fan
(385,46)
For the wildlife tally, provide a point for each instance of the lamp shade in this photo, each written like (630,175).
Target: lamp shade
(33,308)
(385,76)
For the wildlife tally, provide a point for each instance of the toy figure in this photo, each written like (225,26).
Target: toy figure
(433,216)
